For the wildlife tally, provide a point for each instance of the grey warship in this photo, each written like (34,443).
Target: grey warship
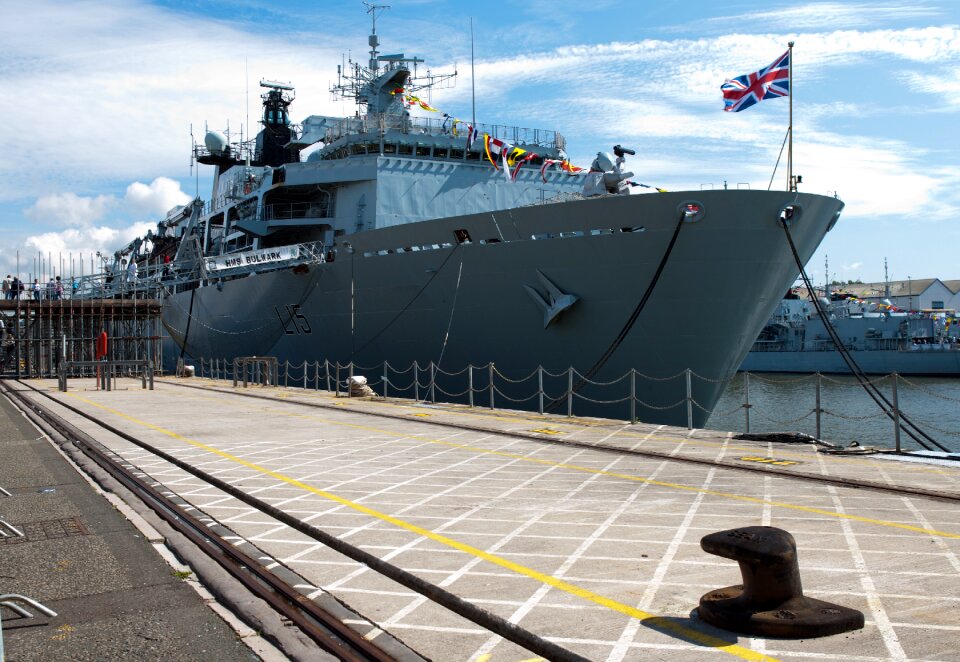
(407,238)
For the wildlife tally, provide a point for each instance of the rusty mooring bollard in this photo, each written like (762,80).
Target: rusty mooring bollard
(770,603)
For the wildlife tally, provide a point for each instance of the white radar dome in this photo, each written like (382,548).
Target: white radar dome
(215,141)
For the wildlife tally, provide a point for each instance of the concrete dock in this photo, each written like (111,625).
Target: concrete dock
(583,531)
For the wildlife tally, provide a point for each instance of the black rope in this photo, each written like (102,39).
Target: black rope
(878,397)
(628,325)
(186,333)
(416,296)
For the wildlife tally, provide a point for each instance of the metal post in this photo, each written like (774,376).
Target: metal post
(316,376)
(326,367)
(151,369)
(304,374)
(817,408)
(689,400)
(286,373)
(385,364)
(338,378)
(433,381)
(540,387)
(896,415)
(470,383)
(491,385)
(416,381)
(746,401)
(633,396)
(570,391)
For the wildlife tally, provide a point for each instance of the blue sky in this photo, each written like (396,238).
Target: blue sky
(99,97)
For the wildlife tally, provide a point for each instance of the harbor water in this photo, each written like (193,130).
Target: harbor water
(786,403)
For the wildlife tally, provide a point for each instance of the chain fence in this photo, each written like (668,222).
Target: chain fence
(635,396)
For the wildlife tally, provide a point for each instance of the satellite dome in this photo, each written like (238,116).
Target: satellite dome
(215,141)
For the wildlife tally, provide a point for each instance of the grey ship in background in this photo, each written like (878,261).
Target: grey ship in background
(880,338)
(397,239)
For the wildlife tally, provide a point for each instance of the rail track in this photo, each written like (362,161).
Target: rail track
(327,631)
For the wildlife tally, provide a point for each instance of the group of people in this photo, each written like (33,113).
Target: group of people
(14,288)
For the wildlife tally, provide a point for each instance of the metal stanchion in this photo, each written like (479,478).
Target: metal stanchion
(746,401)
(896,415)
(540,386)
(385,364)
(633,396)
(491,385)
(470,382)
(433,382)
(817,409)
(570,391)
(689,400)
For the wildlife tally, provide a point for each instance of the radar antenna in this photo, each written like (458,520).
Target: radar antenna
(379,87)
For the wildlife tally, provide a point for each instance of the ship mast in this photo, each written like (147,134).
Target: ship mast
(380,86)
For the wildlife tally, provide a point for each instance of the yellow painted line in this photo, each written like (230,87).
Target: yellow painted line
(639,479)
(768,460)
(547,431)
(690,441)
(659,623)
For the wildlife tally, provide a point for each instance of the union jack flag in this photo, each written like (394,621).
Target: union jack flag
(768,83)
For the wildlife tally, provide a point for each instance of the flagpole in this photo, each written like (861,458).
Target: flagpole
(790,184)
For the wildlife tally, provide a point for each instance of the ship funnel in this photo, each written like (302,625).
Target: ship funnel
(216,142)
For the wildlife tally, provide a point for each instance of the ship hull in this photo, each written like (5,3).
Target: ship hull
(414,294)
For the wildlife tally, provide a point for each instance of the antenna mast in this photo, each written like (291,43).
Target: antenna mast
(374,41)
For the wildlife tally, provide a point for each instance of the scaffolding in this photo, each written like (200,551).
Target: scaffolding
(39,335)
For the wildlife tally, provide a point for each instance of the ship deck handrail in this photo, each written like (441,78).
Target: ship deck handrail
(435,127)
(155,277)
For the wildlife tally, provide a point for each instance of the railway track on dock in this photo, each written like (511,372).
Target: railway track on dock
(330,633)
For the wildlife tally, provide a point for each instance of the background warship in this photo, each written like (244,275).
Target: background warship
(881,339)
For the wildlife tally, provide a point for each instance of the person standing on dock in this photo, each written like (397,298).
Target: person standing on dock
(37,290)
(7,282)
(132,272)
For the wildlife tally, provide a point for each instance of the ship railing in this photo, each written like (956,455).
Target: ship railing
(156,278)
(562,393)
(284,211)
(430,126)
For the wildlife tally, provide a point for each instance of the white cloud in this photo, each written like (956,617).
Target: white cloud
(155,198)
(69,209)
(79,244)
(819,15)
